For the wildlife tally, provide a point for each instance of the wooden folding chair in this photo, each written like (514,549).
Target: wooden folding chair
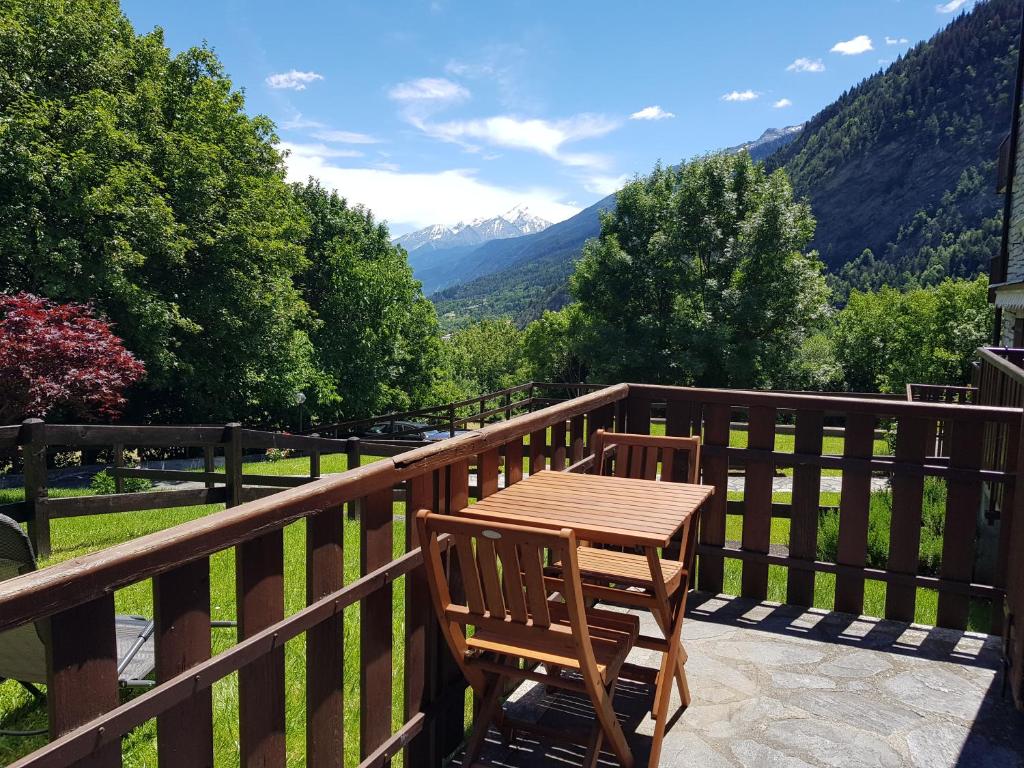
(655,583)
(515,622)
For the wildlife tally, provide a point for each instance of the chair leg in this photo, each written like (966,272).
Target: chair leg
(489,706)
(593,748)
(609,723)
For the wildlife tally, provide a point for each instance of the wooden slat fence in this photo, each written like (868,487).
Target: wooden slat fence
(967,479)
(89,722)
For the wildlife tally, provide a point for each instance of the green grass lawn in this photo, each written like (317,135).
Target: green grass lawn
(74,537)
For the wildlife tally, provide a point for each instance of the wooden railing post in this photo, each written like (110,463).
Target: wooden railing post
(81,672)
(181,601)
(757,502)
(354,457)
(803,536)
(314,461)
(33,453)
(451,421)
(209,464)
(259,584)
(118,462)
(325,643)
(375,625)
(424,642)
(508,406)
(233,463)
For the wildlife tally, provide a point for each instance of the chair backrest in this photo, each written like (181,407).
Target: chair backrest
(503,583)
(639,456)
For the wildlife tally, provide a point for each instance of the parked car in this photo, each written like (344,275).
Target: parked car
(398,430)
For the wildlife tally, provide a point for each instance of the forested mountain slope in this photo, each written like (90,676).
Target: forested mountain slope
(899,172)
(903,164)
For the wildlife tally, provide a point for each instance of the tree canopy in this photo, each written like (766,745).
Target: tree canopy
(133,179)
(700,277)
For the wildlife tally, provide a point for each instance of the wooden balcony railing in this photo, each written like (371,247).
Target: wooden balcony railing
(76,599)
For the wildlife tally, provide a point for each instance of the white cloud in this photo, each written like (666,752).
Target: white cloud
(782,104)
(896,40)
(806,65)
(413,200)
(298,122)
(951,7)
(546,137)
(651,113)
(747,95)
(345,137)
(859,44)
(604,185)
(429,89)
(318,150)
(293,79)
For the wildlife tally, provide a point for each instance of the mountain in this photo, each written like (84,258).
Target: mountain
(435,252)
(899,172)
(770,141)
(523,276)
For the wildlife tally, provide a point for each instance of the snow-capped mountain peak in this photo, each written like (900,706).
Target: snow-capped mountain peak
(513,223)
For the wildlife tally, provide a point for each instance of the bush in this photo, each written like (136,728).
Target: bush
(103,482)
(276,454)
(933,521)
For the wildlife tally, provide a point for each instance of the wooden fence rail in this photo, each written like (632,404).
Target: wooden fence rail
(88,722)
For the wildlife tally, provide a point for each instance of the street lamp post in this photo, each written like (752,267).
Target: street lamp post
(300,398)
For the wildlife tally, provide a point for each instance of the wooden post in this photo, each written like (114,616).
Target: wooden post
(233,463)
(81,673)
(854,505)
(259,584)
(757,502)
(33,451)
(181,601)
(508,406)
(118,463)
(354,456)
(375,630)
(325,647)
(451,421)
(209,465)
(424,642)
(483,409)
(314,462)
(803,536)
(714,471)
(905,534)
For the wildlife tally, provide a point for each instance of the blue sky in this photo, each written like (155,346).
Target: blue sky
(436,111)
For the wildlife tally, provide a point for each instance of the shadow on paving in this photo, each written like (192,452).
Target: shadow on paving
(780,685)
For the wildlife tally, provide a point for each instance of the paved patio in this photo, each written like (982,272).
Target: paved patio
(777,686)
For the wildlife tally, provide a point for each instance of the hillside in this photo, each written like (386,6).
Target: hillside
(899,171)
(903,164)
(523,276)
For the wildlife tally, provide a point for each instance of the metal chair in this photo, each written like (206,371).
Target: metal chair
(23,650)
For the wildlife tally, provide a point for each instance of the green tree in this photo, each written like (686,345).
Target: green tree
(484,356)
(377,336)
(887,339)
(133,179)
(551,346)
(699,277)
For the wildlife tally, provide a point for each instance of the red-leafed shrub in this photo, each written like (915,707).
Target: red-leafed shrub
(60,358)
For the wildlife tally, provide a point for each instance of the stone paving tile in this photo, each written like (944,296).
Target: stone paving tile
(780,686)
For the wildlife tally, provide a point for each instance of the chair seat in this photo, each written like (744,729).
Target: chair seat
(627,569)
(612,634)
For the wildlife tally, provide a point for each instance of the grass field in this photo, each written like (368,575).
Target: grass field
(77,536)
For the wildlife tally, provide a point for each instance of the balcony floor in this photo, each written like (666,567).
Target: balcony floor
(779,686)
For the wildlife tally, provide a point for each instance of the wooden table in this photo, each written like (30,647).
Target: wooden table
(617,511)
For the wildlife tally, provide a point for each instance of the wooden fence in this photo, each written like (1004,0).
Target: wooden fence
(87,720)
(37,440)
(479,410)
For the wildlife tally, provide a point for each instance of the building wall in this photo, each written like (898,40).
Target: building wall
(1015,260)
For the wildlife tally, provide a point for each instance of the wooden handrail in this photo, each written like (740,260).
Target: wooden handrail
(740,398)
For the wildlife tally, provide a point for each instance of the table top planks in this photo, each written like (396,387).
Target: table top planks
(605,510)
